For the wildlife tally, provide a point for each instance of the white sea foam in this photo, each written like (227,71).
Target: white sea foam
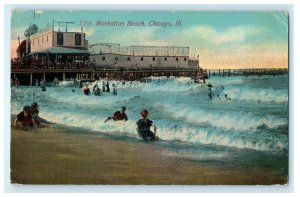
(180,108)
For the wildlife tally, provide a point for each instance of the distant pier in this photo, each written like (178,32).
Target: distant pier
(247,72)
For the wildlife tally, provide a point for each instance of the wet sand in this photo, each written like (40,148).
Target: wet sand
(59,156)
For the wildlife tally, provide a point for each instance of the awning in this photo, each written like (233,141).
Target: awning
(61,50)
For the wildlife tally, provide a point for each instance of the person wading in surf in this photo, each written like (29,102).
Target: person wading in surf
(143,127)
(86,90)
(119,115)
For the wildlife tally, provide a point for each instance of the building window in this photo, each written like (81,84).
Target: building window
(47,38)
(103,58)
(177,59)
(77,39)
(42,39)
(33,43)
(60,39)
(38,41)
(153,58)
(142,59)
(185,59)
(166,59)
(128,58)
(116,58)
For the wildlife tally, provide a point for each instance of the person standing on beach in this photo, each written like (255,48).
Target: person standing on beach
(143,127)
(24,119)
(119,115)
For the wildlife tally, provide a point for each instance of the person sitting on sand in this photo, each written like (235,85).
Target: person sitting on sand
(86,90)
(34,111)
(143,127)
(119,115)
(24,119)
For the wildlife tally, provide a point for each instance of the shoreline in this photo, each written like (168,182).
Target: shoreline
(50,155)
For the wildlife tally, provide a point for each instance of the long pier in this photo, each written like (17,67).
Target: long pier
(27,76)
(247,72)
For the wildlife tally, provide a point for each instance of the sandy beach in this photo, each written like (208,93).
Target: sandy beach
(62,156)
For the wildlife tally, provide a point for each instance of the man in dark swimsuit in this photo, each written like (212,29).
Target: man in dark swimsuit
(143,127)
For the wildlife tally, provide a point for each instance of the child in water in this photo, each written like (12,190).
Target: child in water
(143,127)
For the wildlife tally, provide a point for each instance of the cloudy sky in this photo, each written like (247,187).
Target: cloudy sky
(221,39)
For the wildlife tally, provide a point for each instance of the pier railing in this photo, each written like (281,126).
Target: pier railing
(247,72)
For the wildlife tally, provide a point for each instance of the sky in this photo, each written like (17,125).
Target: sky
(222,39)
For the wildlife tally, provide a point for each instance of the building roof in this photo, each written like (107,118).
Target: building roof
(62,50)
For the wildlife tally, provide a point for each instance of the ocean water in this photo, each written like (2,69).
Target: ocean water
(252,125)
